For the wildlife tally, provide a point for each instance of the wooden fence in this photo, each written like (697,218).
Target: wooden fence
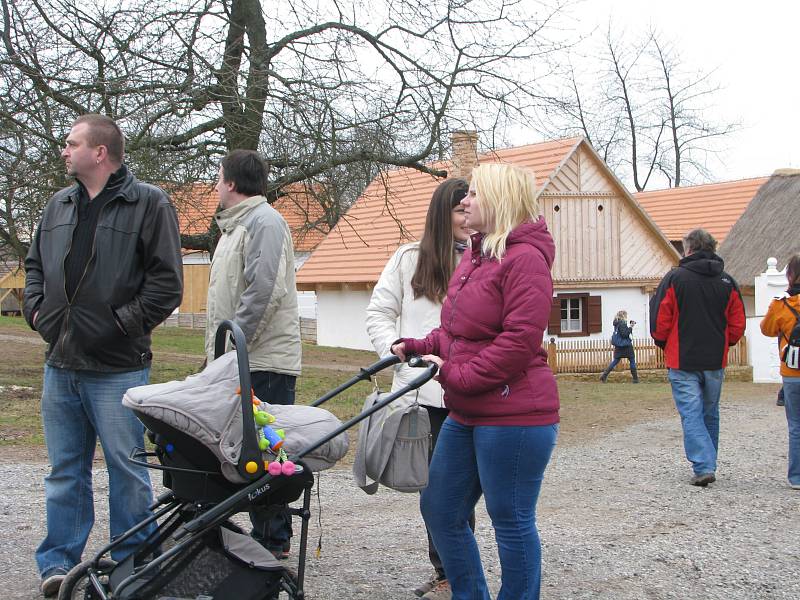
(308,327)
(592,356)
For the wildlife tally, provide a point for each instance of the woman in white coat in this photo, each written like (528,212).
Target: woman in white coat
(407,302)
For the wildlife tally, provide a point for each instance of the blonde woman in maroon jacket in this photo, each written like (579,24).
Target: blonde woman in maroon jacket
(502,395)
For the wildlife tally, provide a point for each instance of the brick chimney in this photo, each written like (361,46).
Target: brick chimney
(465,153)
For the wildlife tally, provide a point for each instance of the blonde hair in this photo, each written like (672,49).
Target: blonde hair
(507,198)
(623,315)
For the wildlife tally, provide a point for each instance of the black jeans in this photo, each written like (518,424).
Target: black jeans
(437,417)
(272,525)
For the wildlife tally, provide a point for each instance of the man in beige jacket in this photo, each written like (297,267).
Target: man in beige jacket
(253,283)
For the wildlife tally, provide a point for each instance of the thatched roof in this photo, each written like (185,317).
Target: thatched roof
(769,226)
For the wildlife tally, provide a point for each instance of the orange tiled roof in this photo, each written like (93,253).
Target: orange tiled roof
(299,209)
(196,205)
(358,247)
(715,206)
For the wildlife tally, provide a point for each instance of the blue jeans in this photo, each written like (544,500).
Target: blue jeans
(77,408)
(272,525)
(615,361)
(506,465)
(791,396)
(696,395)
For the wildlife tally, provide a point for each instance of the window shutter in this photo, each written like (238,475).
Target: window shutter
(554,323)
(595,313)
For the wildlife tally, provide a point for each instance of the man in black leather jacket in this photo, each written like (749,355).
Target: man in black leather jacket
(104,269)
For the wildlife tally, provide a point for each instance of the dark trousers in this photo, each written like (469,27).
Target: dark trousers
(437,417)
(272,525)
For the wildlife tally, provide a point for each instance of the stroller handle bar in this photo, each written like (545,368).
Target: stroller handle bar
(218,513)
(364,374)
(251,455)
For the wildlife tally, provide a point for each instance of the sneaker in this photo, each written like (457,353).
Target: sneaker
(703,479)
(52,580)
(794,486)
(441,591)
(426,587)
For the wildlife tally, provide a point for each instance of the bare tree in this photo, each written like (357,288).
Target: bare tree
(645,113)
(326,91)
(686,102)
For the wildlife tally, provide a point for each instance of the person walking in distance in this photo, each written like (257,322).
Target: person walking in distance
(696,314)
(104,269)
(781,321)
(623,346)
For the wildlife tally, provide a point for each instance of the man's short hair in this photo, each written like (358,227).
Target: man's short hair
(699,240)
(246,170)
(103,131)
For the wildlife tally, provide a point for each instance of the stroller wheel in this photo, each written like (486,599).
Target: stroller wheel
(76,585)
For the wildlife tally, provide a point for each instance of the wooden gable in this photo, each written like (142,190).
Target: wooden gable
(601,233)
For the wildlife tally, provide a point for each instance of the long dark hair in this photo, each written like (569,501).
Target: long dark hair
(793,270)
(437,257)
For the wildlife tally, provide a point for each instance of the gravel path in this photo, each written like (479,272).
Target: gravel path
(617,517)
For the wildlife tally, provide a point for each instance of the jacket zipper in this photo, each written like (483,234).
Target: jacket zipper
(453,313)
(64,273)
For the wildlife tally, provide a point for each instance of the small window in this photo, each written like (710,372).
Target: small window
(575,314)
(571,315)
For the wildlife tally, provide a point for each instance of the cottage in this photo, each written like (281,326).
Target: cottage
(767,228)
(610,254)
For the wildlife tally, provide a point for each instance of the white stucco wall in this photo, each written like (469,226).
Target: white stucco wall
(763,350)
(340,315)
(340,318)
(631,299)
(307,304)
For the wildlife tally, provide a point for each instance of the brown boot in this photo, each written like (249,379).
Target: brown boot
(426,587)
(440,592)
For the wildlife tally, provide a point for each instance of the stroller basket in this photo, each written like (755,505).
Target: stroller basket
(193,550)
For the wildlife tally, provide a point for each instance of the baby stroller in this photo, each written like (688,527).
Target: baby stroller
(195,551)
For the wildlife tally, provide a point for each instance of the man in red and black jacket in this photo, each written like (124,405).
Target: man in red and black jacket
(695,315)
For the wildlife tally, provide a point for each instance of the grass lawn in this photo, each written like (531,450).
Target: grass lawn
(177,353)
(9,325)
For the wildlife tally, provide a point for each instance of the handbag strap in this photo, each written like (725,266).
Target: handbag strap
(796,317)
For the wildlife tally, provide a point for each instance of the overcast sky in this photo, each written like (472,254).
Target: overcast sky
(754,48)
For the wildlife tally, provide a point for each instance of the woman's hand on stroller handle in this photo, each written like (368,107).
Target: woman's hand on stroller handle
(399,350)
(427,359)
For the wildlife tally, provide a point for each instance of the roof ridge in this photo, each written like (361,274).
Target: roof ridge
(699,185)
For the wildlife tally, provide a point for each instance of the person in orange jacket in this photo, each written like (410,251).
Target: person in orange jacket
(779,322)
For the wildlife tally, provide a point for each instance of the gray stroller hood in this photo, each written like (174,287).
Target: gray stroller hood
(207,407)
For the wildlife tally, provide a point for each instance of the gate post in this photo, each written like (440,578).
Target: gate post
(552,359)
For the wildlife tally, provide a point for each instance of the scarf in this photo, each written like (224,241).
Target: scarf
(459,247)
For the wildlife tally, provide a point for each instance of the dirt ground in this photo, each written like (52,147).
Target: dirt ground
(617,517)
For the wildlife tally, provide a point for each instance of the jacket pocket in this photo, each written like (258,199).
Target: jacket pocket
(48,321)
(96,327)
